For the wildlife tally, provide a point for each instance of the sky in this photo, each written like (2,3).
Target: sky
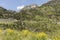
(19,4)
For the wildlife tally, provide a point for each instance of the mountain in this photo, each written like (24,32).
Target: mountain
(4,13)
(36,18)
(53,2)
(40,18)
(30,6)
(50,9)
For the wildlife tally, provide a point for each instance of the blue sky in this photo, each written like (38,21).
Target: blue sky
(13,4)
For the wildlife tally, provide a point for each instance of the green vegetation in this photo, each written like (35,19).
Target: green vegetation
(9,34)
(44,18)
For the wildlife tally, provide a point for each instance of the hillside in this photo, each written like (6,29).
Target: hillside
(40,18)
(35,18)
(4,13)
(33,22)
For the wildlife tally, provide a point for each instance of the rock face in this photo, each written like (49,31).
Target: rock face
(30,6)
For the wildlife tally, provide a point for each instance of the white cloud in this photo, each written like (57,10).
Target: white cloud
(20,7)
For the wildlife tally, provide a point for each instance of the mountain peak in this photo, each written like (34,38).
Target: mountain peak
(30,6)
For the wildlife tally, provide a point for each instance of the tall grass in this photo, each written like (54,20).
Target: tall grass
(10,34)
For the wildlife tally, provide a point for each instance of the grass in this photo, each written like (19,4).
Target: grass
(10,34)
(7,21)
